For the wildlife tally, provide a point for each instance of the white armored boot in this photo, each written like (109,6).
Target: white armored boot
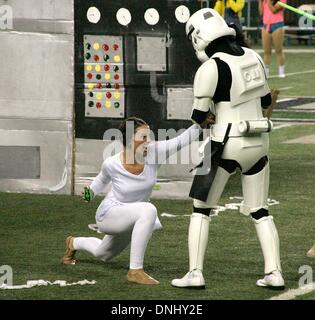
(269,241)
(197,244)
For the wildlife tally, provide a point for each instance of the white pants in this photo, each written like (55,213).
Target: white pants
(133,222)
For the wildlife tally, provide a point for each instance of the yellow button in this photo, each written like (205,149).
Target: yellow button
(99,96)
(89,67)
(107,76)
(117,94)
(108,104)
(96,46)
(98,68)
(90,86)
(117,58)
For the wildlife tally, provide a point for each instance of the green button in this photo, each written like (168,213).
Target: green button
(91,104)
(91,94)
(88,46)
(88,56)
(116,68)
(106,57)
(116,105)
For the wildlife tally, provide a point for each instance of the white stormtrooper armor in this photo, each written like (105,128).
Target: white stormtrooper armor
(232,87)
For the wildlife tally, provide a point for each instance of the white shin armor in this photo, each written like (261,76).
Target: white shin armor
(269,241)
(197,240)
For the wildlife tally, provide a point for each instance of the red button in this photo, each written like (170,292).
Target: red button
(98,105)
(116,76)
(105,47)
(96,57)
(108,95)
(106,67)
(116,47)
(116,86)
(89,75)
(99,85)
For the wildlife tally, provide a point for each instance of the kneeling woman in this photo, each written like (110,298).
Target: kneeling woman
(126,215)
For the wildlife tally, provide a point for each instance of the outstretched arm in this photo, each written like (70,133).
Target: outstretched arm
(160,151)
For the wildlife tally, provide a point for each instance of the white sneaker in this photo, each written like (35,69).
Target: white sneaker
(193,279)
(273,280)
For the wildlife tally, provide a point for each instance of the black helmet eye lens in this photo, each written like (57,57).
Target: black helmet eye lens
(191,30)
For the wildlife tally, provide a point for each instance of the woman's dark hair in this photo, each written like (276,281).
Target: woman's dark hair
(137,122)
(228,44)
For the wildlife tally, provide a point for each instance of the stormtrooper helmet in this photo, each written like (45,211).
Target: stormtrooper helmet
(205,26)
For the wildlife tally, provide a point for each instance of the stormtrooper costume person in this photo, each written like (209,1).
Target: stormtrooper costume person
(231,84)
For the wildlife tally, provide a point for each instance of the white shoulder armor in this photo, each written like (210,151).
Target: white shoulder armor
(206,79)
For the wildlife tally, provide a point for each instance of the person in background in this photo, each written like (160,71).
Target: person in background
(231,10)
(273,33)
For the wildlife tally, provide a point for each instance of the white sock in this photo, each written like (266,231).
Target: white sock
(267,70)
(281,71)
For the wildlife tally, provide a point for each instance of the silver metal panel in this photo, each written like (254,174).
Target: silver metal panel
(55,154)
(44,26)
(104,76)
(108,110)
(41,9)
(151,53)
(38,125)
(179,103)
(19,162)
(36,79)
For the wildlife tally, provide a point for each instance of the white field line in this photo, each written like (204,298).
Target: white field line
(293,73)
(290,50)
(285,88)
(293,293)
(219,209)
(283,126)
(39,283)
(286,99)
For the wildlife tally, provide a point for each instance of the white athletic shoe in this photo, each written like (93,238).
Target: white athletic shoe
(193,279)
(273,280)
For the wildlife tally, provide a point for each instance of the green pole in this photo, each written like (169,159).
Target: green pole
(298,11)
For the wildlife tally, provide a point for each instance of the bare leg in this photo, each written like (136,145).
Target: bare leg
(266,41)
(277,39)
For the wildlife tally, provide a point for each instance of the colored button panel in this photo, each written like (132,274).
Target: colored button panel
(104,76)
